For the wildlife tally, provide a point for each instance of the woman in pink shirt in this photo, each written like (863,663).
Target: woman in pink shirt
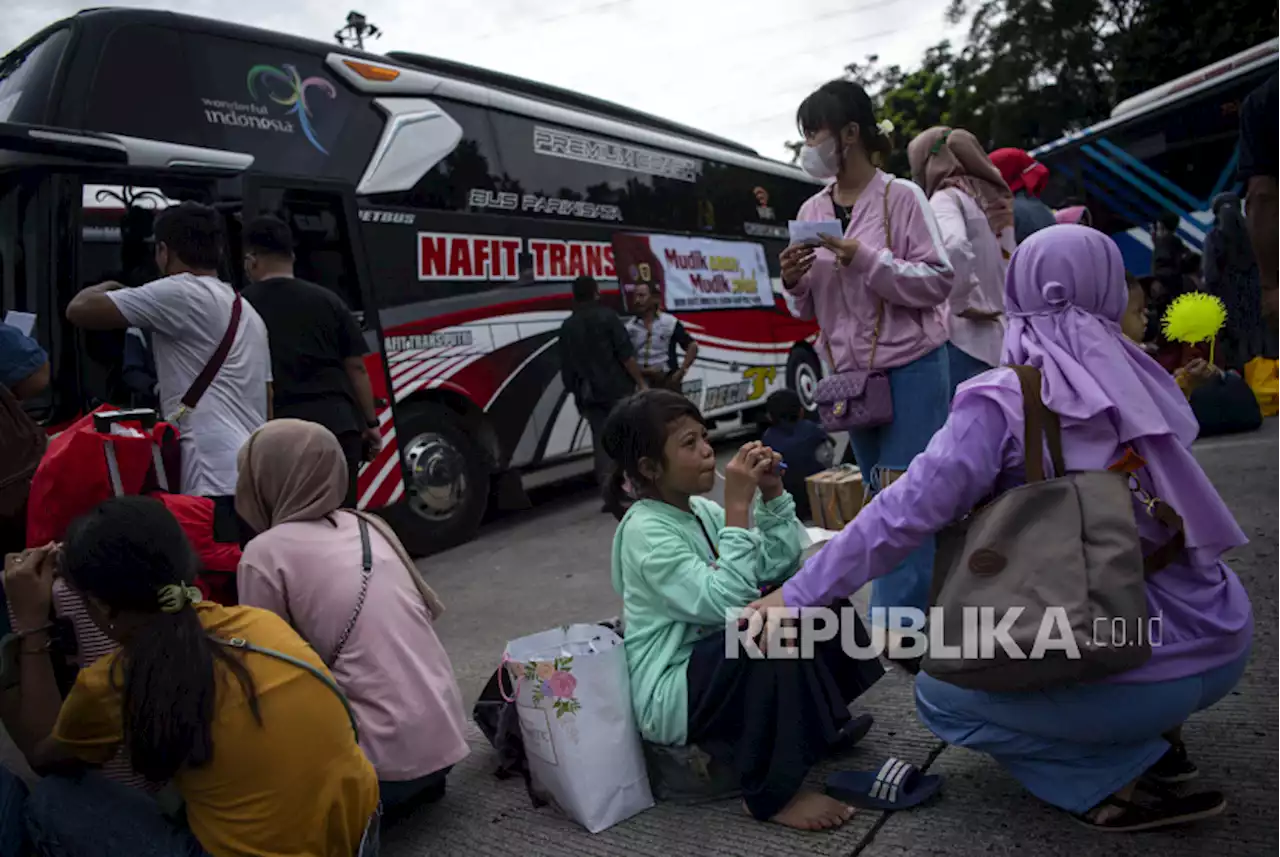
(343,581)
(975,215)
(881,304)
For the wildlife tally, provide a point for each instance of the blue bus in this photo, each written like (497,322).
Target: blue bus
(1172,148)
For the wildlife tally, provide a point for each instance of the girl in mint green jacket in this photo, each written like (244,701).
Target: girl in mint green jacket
(683,566)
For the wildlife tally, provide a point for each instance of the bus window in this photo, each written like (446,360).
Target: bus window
(167,83)
(561,172)
(26,80)
(322,239)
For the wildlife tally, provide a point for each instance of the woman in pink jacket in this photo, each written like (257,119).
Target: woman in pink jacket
(880,303)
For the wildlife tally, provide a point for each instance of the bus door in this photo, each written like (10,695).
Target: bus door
(324,221)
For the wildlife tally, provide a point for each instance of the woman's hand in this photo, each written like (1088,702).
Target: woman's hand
(28,583)
(742,474)
(770,478)
(796,261)
(844,248)
(773,613)
(1198,373)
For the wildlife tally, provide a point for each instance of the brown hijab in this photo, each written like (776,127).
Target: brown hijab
(945,157)
(292,470)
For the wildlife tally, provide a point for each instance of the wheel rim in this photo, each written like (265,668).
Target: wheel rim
(437,476)
(806,384)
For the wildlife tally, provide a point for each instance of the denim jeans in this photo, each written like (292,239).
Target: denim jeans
(92,816)
(921,400)
(13,799)
(1072,746)
(963,366)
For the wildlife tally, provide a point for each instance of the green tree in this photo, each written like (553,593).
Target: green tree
(1032,70)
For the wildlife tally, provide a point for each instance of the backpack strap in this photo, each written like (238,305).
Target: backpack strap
(1041,426)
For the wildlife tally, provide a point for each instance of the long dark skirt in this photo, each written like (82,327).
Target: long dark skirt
(773,719)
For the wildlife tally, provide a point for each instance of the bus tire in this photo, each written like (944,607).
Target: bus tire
(804,371)
(447,481)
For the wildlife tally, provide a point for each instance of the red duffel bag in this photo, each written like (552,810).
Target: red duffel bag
(77,472)
(112,453)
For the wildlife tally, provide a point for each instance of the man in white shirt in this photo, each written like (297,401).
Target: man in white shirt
(187,313)
(655,336)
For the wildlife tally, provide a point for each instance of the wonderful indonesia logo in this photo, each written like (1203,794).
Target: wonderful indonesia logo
(281,85)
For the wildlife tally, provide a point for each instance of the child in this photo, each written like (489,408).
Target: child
(1221,401)
(804,447)
(682,564)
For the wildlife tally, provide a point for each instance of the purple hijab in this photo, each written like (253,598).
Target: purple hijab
(1065,294)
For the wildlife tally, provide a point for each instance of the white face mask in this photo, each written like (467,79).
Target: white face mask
(821,161)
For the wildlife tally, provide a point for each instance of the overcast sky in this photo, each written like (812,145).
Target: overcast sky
(732,67)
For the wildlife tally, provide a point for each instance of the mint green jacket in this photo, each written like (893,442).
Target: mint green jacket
(675,592)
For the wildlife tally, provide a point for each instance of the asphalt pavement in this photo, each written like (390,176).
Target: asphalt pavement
(550,565)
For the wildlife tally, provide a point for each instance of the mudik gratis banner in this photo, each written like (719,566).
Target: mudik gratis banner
(694,273)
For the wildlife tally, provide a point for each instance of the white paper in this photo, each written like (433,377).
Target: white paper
(23,321)
(817,535)
(809,230)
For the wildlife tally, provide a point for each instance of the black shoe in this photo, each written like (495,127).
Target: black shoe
(1173,767)
(853,731)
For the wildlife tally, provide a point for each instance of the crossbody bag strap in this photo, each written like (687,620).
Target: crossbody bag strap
(1041,426)
(435,607)
(245,646)
(715,554)
(888,243)
(366,570)
(210,371)
(875,332)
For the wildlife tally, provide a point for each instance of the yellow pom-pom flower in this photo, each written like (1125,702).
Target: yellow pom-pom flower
(1194,317)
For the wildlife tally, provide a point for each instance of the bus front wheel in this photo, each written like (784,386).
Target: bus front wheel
(804,371)
(447,487)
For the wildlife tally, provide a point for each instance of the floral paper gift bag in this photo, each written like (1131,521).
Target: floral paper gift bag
(573,696)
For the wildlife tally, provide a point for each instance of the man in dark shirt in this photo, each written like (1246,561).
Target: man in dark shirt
(597,362)
(1257,170)
(317,349)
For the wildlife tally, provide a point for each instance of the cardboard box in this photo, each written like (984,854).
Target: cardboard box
(835,496)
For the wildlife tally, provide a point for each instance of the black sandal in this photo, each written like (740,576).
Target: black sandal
(1173,767)
(1166,810)
(853,731)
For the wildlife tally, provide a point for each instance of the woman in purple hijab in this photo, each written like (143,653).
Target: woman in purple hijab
(1105,751)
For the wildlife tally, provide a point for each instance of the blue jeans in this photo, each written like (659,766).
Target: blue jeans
(13,799)
(921,400)
(1072,746)
(963,366)
(95,817)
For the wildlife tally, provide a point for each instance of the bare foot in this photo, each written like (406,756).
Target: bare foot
(813,811)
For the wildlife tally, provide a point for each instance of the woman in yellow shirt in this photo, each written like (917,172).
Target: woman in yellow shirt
(257,744)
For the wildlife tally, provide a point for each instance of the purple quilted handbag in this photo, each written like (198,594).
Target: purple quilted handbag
(859,399)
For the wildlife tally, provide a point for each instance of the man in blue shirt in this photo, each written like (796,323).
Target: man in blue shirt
(24,367)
